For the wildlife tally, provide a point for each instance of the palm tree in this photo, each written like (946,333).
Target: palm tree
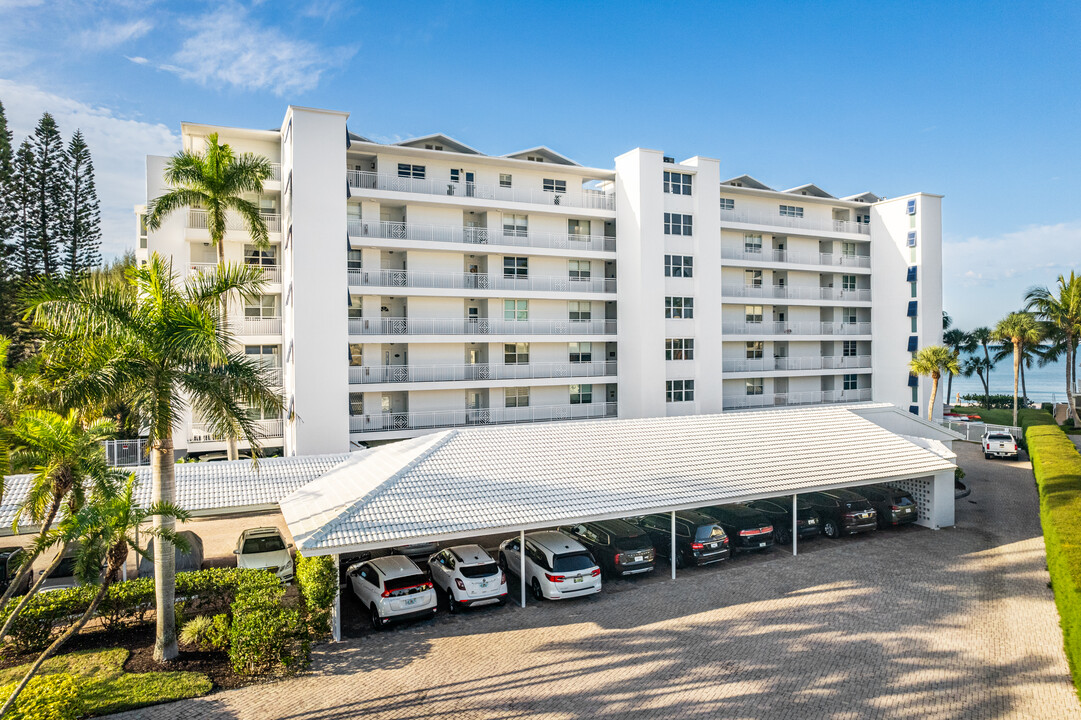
(163,346)
(960,342)
(934,360)
(984,336)
(1029,354)
(947,321)
(106,528)
(1061,311)
(976,365)
(1019,329)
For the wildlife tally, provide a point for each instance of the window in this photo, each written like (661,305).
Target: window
(534,158)
(264,306)
(515,353)
(913,381)
(581,352)
(679,307)
(515,309)
(677,224)
(578,269)
(755,386)
(267,355)
(429,146)
(679,349)
(580,310)
(556,186)
(581,394)
(912,309)
(677,183)
(913,343)
(915,394)
(354,260)
(267,257)
(752,278)
(752,243)
(678,265)
(679,390)
(405,170)
(848,282)
(911,209)
(504,180)
(356,403)
(515,267)
(753,313)
(863,219)
(848,348)
(912,273)
(455,175)
(516,397)
(755,349)
(848,249)
(913,324)
(912,289)
(728,204)
(851,382)
(912,239)
(516,225)
(849,315)
(577,227)
(791,211)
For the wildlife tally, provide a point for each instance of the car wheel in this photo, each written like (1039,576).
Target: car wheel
(780,537)
(452,607)
(377,622)
(680,562)
(987,456)
(830,530)
(537,592)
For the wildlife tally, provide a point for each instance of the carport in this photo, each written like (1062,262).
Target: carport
(458,484)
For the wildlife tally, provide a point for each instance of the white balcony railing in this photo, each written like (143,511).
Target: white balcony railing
(814,397)
(796,328)
(201,433)
(271,273)
(777,220)
(387,421)
(126,453)
(795,292)
(826,362)
(248,326)
(576,197)
(275,172)
(795,257)
(197,221)
(480,281)
(479,326)
(359,375)
(389,230)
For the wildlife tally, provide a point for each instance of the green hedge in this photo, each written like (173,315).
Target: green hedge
(317,578)
(266,636)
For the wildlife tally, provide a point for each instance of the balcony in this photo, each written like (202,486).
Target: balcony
(583,198)
(815,397)
(480,281)
(826,362)
(796,257)
(391,421)
(197,220)
(796,328)
(275,172)
(791,292)
(201,433)
(776,220)
(361,375)
(387,230)
(478,326)
(271,273)
(251,326)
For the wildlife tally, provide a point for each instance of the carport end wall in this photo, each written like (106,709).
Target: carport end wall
(934,497)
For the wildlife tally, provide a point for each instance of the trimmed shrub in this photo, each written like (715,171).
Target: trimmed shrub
(317,578)
(1003,402)
(206,632)
(47,697)
(265,636)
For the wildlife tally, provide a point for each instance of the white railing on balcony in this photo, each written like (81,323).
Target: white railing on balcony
(796,328)
(271,273)
(275,172)
(480,281)
(390,230)
(796,257)
(795,292)
(197,221)
(576,197)
(201,433)
(479,326)
(814,397)
(126,453)
(777,220)
(826,362)
(359,375)
(245,326)
(386,421)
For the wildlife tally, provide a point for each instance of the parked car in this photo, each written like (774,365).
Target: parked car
(747,529)
(619,547)
(893,505)
(699,539)
(556,565)
(999,443)
(417,552)
(62,576)
(264,548)
(189,560)
(779,511)
(10,560)
(843,512)
(468,575)
(393,589)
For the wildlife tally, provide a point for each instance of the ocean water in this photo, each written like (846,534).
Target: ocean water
(1045,384)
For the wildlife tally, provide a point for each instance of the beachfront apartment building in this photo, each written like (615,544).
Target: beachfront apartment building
(423,285)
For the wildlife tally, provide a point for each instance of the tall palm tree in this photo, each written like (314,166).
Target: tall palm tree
(934,360)
(1019,329)
(1029,354)
(163,346)
(983,337)
(947,321)
(976,365)
(960,342)
(1060,309)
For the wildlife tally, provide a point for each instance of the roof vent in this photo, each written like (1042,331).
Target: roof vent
(670,160)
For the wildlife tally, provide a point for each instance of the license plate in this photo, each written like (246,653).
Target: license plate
(410,601)
(712,546)
(578,579)
(812,521)
(638,558)
(484,583)
(761,544)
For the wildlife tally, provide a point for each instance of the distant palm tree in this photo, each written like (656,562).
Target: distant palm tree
(947,321)
(1019,329)
(1060,309)
(981,367)
(960,342)
(932,361)
(983,337)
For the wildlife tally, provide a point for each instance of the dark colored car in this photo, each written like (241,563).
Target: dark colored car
(843,512)
(619,547)
(894,506)
(699,539)
(808,524)
(10,560)
(746,528)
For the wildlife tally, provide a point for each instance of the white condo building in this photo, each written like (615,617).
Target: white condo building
(424,285)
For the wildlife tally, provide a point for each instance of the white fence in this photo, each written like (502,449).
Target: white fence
(197,220)
(477,326)
(814,397)
(391,230)
(789,292)
(126,453)
(480,281)
(973,431)
(576,197)
(201,433)
(796,328)
(825,362)
(846,226)
(795,256)
(387,421)
(359,375)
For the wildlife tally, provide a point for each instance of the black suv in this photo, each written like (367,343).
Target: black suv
(779,511)
(619,547)
(843,512)
(10,560)
(894,506)
(746,528)
(699,539)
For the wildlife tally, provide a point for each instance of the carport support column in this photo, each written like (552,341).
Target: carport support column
(672,550)
(795,526)
(336,611)
(521,565)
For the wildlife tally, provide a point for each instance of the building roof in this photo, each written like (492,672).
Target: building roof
(460,483)
(865,197)
(809,189)
(547,153)
(446,141)
(746,181)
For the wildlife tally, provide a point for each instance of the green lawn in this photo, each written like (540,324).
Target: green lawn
(108,689)
(996,416)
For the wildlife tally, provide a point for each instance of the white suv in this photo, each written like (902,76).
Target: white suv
(392,588)
(468,575)
(265,549)
(556,565)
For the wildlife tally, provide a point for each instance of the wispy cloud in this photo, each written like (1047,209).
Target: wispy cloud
(138,60)
(16,4)
(111,34)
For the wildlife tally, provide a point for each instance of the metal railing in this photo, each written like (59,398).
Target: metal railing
(360,375)
(201,433)
(244,326)
(275,172)
(126,453)
(272,273)
(478,326)
(796,292)
(480,281)
(777,220)
(391,230)
(577,197)
(387,421)
(814,397)
(197,221)
(796,328)
(795,257)
(973,431)
(825,362)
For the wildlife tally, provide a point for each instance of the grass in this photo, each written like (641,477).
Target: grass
(108,689)
(996,416)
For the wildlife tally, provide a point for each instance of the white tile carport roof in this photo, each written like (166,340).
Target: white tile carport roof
(458,483)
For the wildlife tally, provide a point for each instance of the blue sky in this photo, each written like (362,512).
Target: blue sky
(978,101)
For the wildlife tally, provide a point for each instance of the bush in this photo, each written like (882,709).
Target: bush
(206,632)
(317,578)
(998,402)
(47,697)
(265,636)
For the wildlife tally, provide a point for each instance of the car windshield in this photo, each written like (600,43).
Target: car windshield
(1000,436)
(708,532)
(66,568)
(406,584)
(487,569)
(255,545)
(631,542)
(572,562)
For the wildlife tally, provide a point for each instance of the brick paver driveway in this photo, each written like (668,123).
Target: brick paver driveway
(901,624)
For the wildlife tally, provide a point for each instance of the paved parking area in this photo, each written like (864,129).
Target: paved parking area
(957,623)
